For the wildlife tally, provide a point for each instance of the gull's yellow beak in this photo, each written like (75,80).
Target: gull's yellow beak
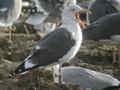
(77,17)
(85,11)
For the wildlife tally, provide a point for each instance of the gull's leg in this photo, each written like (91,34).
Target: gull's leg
(57,73)
(11,29)
(118,57)
(60,74)
(52,68)
(55,70)
(114,57)
(10,36)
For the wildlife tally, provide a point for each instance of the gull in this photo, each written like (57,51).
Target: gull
(59,46)
(87,78)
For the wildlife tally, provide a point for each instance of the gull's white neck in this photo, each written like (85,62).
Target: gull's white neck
(72,26)
(69,23)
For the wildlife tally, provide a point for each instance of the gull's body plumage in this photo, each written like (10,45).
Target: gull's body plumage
(59,46)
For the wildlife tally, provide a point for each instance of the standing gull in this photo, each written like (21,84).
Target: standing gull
(87,78)
(59,46)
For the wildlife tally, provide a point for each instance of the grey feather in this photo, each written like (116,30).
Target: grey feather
(48,50)
(103,28)
(87,78)
(100,8)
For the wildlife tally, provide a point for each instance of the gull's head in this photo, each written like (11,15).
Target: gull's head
(70,10)
(72,13)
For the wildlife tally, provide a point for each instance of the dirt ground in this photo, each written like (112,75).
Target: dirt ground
(100,56)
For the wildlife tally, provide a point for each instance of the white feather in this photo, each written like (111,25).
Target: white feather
(28,64)
(37,47)
(73,27)
(3,9)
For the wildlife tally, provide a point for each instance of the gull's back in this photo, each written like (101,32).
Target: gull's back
(88,78)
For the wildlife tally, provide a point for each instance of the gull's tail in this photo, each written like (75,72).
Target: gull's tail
(23,68)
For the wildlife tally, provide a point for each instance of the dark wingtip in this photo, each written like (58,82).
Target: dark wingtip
(119,86)
(112,87)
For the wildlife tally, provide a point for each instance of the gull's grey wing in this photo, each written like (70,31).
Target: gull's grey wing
(87,78)
(103,28)
(48,50)
(78,75)
(100,8)
(53,47)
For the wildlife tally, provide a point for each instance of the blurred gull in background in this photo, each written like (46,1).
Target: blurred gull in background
(100,8)
(49,14)
(87,78)
(9,12)
(105,27)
